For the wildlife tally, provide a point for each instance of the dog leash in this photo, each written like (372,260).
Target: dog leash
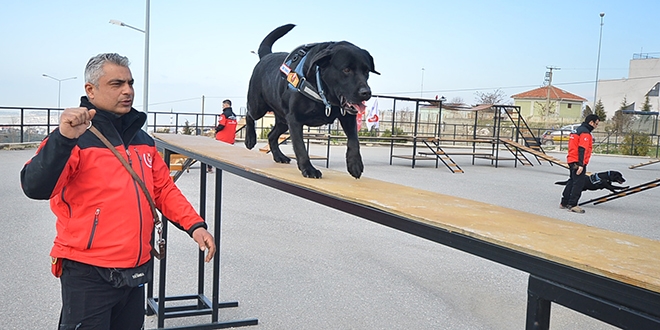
(160,253)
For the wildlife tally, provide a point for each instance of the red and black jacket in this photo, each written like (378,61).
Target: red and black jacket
(103,217)
(580,145)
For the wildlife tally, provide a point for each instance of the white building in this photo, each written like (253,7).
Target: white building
(643,79)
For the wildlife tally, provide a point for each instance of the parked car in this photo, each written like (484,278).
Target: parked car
(558,136)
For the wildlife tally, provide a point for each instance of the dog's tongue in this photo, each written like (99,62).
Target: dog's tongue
(360,107)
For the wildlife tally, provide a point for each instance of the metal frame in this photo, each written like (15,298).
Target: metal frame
(202,305)
(581,283)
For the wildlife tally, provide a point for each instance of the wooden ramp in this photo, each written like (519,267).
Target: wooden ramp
(536,153)
(281,140)
(240,125)
(652,161)
(623,193)
(604,274)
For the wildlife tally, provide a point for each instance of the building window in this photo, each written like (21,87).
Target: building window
(570,105)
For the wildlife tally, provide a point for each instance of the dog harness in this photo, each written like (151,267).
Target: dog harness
(292,68)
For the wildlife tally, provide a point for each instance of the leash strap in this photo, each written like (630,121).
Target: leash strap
(160,254)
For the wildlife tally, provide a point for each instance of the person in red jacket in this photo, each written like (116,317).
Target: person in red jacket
(104,220)
(580,145)
(226,129)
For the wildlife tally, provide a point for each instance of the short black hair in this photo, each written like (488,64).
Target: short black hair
(227,101)
(592,117)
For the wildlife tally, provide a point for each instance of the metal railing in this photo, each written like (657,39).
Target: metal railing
(32,124)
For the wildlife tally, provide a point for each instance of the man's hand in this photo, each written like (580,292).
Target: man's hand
(74,121)
(205,241)
(579,170)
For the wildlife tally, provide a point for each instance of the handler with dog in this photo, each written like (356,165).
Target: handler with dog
(105,179)
(580,146)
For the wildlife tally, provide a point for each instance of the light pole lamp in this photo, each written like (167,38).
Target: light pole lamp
(145,102)
(600,38)
(59,86)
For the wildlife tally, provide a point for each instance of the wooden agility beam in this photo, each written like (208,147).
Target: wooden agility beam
(607,275)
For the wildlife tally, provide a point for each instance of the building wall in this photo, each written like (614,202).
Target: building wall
(642,76)
(532,112)
(575,110)
(526,107)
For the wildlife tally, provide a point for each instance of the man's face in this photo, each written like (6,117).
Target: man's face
(594,123)
(114,92)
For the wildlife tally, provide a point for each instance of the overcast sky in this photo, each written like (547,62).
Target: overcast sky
(203,47)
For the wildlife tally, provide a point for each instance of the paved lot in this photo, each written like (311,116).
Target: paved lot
(295,264)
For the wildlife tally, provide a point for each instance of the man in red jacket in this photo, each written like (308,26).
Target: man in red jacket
(104,220)
(226,129)
(579,153)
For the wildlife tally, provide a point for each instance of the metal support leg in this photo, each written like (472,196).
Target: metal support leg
(203,305)
(538,309)
(542,292)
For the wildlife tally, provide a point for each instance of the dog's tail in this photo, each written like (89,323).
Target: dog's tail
(266,46)
(561,183)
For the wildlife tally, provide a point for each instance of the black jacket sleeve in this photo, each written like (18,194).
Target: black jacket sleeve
(581,156)
(40,175)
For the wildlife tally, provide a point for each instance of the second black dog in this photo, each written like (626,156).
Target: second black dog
(602,180)
(313,85)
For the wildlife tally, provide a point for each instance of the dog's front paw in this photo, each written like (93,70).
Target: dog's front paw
(311,172)
(354,166)
(250,139)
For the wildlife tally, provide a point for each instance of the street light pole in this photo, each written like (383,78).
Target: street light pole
(600,38)
(59,86)
(421,91)
(145,102)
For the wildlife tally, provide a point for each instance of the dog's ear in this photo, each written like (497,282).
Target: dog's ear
(321,57)
(370,60)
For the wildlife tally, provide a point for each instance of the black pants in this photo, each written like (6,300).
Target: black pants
(90,302)
(574,186)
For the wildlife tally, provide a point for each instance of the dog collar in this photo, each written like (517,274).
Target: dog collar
(296,78)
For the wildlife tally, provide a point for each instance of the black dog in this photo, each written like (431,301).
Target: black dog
(313,85)
(602,180)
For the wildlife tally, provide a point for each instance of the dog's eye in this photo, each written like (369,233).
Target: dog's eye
(347,70)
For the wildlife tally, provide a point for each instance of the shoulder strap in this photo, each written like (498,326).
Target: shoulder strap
(137,179)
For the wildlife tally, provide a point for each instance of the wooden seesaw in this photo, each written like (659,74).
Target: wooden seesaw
(607,275)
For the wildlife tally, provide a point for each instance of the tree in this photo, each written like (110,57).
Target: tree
(647,105)
(620,120)
(496,97)
(587,111)
(457,100)
(187,129)
(545,108)
(599,110)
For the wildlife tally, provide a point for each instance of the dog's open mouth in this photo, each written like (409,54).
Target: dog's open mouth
(352,108)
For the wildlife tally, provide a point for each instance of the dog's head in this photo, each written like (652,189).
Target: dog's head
(344,71)
(616,176)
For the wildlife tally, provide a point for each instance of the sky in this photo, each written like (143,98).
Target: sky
(421,48)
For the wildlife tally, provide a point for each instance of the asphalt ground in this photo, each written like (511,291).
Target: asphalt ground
(295,264)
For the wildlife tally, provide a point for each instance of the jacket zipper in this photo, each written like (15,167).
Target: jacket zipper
(96,222)
(66,203)
(137,194)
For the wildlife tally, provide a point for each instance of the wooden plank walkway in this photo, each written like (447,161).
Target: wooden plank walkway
(616,267)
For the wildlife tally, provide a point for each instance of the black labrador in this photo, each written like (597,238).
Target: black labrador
(602,180)
(313,85)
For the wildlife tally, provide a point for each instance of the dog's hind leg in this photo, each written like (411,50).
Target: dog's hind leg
(274,143)
(302,157)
